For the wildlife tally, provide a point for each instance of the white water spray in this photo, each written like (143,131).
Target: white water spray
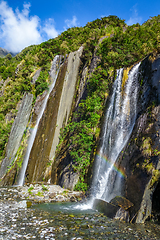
(53,74)
(119,122)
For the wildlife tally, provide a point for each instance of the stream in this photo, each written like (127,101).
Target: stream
(21,219)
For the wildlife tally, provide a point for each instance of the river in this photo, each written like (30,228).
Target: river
(21,219)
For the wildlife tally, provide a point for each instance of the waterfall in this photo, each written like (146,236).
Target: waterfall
(53,75)
(119,122)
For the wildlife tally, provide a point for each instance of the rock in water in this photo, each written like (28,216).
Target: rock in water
(121,202)
(108,209)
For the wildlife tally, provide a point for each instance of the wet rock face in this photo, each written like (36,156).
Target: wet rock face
(141,157)
(55,117)
(156,203)
(156,76)
(17,131)
(39,156)
(67,96)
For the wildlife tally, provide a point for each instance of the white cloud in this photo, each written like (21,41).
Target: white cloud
(49,28)
(71,23)
(134,18)
(19,30)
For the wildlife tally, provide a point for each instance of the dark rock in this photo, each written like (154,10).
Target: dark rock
(108,209)
(140,158)
(69,178)
(122,215)
(121,202)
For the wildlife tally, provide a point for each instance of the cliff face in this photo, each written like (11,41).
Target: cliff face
(69,131)
(140,158)
(17,132)
(54,118)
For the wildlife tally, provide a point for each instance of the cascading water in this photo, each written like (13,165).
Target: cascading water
(118,125)
(54,73)
(119,122)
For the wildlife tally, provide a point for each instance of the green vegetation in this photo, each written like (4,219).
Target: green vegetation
(122,47)
(83,128)
(41,83)
(116,44)
(30,190)
(39,194)
(155,176)
(44,188)
(17,71)
(129,46)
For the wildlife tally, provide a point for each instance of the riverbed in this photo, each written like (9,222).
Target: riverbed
(23,219)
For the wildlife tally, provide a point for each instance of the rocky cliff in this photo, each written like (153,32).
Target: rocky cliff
(70,127)
(140,158)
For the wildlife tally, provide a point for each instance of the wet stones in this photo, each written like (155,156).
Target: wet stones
(48,193)
(17,221)
(117,208)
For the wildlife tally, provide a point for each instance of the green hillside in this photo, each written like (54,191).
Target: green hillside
(116,44)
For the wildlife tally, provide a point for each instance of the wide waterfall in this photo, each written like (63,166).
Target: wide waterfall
(53,75)
(119,122)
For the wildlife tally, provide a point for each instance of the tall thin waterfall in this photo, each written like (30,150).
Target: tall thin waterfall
(53,75)
(119,122)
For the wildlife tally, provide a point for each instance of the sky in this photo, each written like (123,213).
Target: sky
(24,23)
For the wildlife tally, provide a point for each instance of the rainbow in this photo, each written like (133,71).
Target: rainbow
(119,170)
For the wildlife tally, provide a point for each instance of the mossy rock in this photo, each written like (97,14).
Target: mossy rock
(121,202)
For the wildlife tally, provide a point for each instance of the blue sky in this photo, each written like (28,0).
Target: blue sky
(23,23)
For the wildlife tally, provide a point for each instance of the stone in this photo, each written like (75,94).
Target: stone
(122,215)
(35,76)
(121,202)
(108,209)
(69,178)
(52,195)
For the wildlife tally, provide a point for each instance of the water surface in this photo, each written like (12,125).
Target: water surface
(63,221)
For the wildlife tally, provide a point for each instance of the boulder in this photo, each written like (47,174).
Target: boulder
(122,215)
(121,202)
(108,209)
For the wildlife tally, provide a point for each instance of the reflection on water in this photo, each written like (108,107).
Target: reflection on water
(67,208)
